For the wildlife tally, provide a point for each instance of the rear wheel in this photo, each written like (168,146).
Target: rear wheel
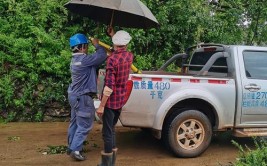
(188,134)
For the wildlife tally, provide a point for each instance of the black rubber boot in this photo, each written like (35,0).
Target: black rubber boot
(114,156)
(106,159)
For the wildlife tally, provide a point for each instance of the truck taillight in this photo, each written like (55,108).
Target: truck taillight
(209,49)
(129,86)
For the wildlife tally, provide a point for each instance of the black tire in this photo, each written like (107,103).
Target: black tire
(193,128)
(145,130)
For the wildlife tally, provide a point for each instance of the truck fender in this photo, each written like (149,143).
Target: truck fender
(182,95)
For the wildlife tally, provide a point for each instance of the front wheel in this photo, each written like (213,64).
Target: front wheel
(188,134)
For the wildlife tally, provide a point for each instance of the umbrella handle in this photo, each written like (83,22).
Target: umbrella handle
(111,20)
(109,49)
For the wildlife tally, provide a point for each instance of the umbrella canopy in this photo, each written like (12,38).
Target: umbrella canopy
(124,13)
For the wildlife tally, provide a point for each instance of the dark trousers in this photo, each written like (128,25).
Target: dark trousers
(110,119)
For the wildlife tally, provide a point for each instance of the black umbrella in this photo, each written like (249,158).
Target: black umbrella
(124,13)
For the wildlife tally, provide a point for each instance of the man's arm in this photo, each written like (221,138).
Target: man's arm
(109,86)
(98,57)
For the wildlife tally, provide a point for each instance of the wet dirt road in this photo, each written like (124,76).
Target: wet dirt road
(136,148)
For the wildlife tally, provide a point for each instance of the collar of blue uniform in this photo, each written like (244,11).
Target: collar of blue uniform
(78,54)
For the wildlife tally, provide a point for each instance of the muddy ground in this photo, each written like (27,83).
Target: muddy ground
(24,144)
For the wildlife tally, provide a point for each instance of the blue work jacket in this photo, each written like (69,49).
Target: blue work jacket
(83,71)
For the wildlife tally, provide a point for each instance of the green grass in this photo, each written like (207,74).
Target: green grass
(61,149)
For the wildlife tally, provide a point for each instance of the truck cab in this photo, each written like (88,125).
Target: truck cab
(251,83)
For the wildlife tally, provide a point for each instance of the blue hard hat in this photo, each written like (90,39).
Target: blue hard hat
(78,39)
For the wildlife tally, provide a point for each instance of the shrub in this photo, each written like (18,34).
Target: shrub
(254,157)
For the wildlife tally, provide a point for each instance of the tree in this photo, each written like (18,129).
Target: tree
(35,52)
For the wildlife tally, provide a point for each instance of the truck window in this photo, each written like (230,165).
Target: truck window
(201,58)
(255,64)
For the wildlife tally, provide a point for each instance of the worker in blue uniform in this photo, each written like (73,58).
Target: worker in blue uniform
(81,91)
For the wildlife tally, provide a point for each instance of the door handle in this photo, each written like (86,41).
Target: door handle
(252,87)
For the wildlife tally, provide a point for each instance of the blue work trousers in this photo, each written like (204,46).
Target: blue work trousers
(82,118)
(110,119)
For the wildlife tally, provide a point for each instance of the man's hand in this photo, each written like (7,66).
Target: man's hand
(100,111)
(95,42)
(110,31)
(106,93)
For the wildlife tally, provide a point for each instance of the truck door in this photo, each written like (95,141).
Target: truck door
(253,72)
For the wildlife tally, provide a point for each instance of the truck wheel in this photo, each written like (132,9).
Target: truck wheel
(188,134)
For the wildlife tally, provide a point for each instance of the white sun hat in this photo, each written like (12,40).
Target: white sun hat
(121,38)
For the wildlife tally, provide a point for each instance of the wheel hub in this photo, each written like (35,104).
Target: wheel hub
(190,135)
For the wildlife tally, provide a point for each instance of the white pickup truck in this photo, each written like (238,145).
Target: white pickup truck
(219,88)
